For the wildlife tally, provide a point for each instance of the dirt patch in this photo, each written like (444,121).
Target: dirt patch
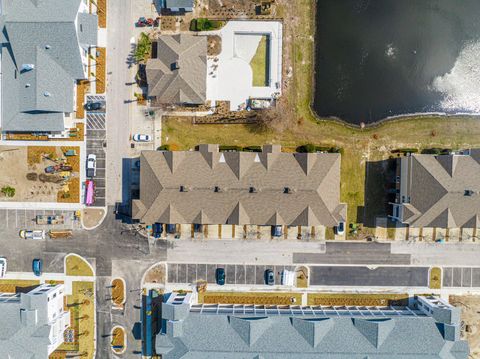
(214,43)
(470,317)
(342,299)
(168,23)
(435,278)
(156,274)
(92,216)
(231,9)
(36,154)
(301,277)
(102,13)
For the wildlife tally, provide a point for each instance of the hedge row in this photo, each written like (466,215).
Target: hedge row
(310,148)
(202,24)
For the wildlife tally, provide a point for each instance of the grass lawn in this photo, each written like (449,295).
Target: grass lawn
(77,266)
(341,299)
(82,316)
(435,281)
(359,145)
(270,298)
(259,63)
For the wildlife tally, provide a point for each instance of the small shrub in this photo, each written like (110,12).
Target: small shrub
(224,148)
(405,150)
(8,191)
(307,148)
(253,149)
(164,148)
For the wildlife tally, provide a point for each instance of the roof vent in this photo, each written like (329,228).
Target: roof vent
(27,85)
(252,190)
(27,67)
(183,189)
(47,47)
(287,190)
(469,192)
(47,94)
(216,189)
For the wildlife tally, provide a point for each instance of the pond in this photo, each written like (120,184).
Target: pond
(382,58)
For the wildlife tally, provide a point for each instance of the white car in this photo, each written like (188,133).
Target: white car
(91,165)
(138,137)
(3,266)
(37,234)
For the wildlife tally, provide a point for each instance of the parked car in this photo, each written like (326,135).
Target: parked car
(37,234)
(94,106)
(276,231)
(91,165)
(37,267)
(3,266)
(220,276)
(340,229)
(138,137)
(269,277)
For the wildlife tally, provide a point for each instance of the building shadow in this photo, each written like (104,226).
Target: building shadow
(379,190)
(130,188)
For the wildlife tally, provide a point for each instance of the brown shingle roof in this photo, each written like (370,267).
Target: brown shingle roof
(438,191)
(178,74)
(239,188)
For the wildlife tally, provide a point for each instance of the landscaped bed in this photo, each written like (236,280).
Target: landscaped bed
(16,285)
(77,266)
(270,298)
(82,320)
(118,340)
(435,281)
(100,72)
(259,63)
(345,299)
(118,291)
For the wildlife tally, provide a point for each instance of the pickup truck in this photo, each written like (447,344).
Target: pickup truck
(46,219)
(91,165)
(36,234)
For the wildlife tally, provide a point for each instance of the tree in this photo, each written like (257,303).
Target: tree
(143,49)
(8,191)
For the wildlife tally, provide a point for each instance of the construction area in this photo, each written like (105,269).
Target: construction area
(40,174)
(470,318)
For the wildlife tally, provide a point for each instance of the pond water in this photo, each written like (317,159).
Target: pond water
(382,58)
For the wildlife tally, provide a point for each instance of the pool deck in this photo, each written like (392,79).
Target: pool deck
(230,77)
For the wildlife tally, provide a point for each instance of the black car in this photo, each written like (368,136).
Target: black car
(269,277)
(94,106)
(220,276)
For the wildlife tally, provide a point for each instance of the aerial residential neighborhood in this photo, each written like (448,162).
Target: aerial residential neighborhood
(239,179)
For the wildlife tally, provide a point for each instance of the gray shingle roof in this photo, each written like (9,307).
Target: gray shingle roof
(250,188)
(221,336)
(438,186)
(179,72)
(42,33)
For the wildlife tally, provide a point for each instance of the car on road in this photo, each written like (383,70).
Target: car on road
(269,277)
(37,267)
(340,229)
(138,137)
(3,266)
(91,165)
(37,234)
(94,106)
(220,276)
(142,22)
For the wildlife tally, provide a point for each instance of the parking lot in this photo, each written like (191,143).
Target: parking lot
(96,140)
(25,219)
(237,274)
(461,277)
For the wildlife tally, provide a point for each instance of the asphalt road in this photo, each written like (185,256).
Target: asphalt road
(357,276)
(353,253)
